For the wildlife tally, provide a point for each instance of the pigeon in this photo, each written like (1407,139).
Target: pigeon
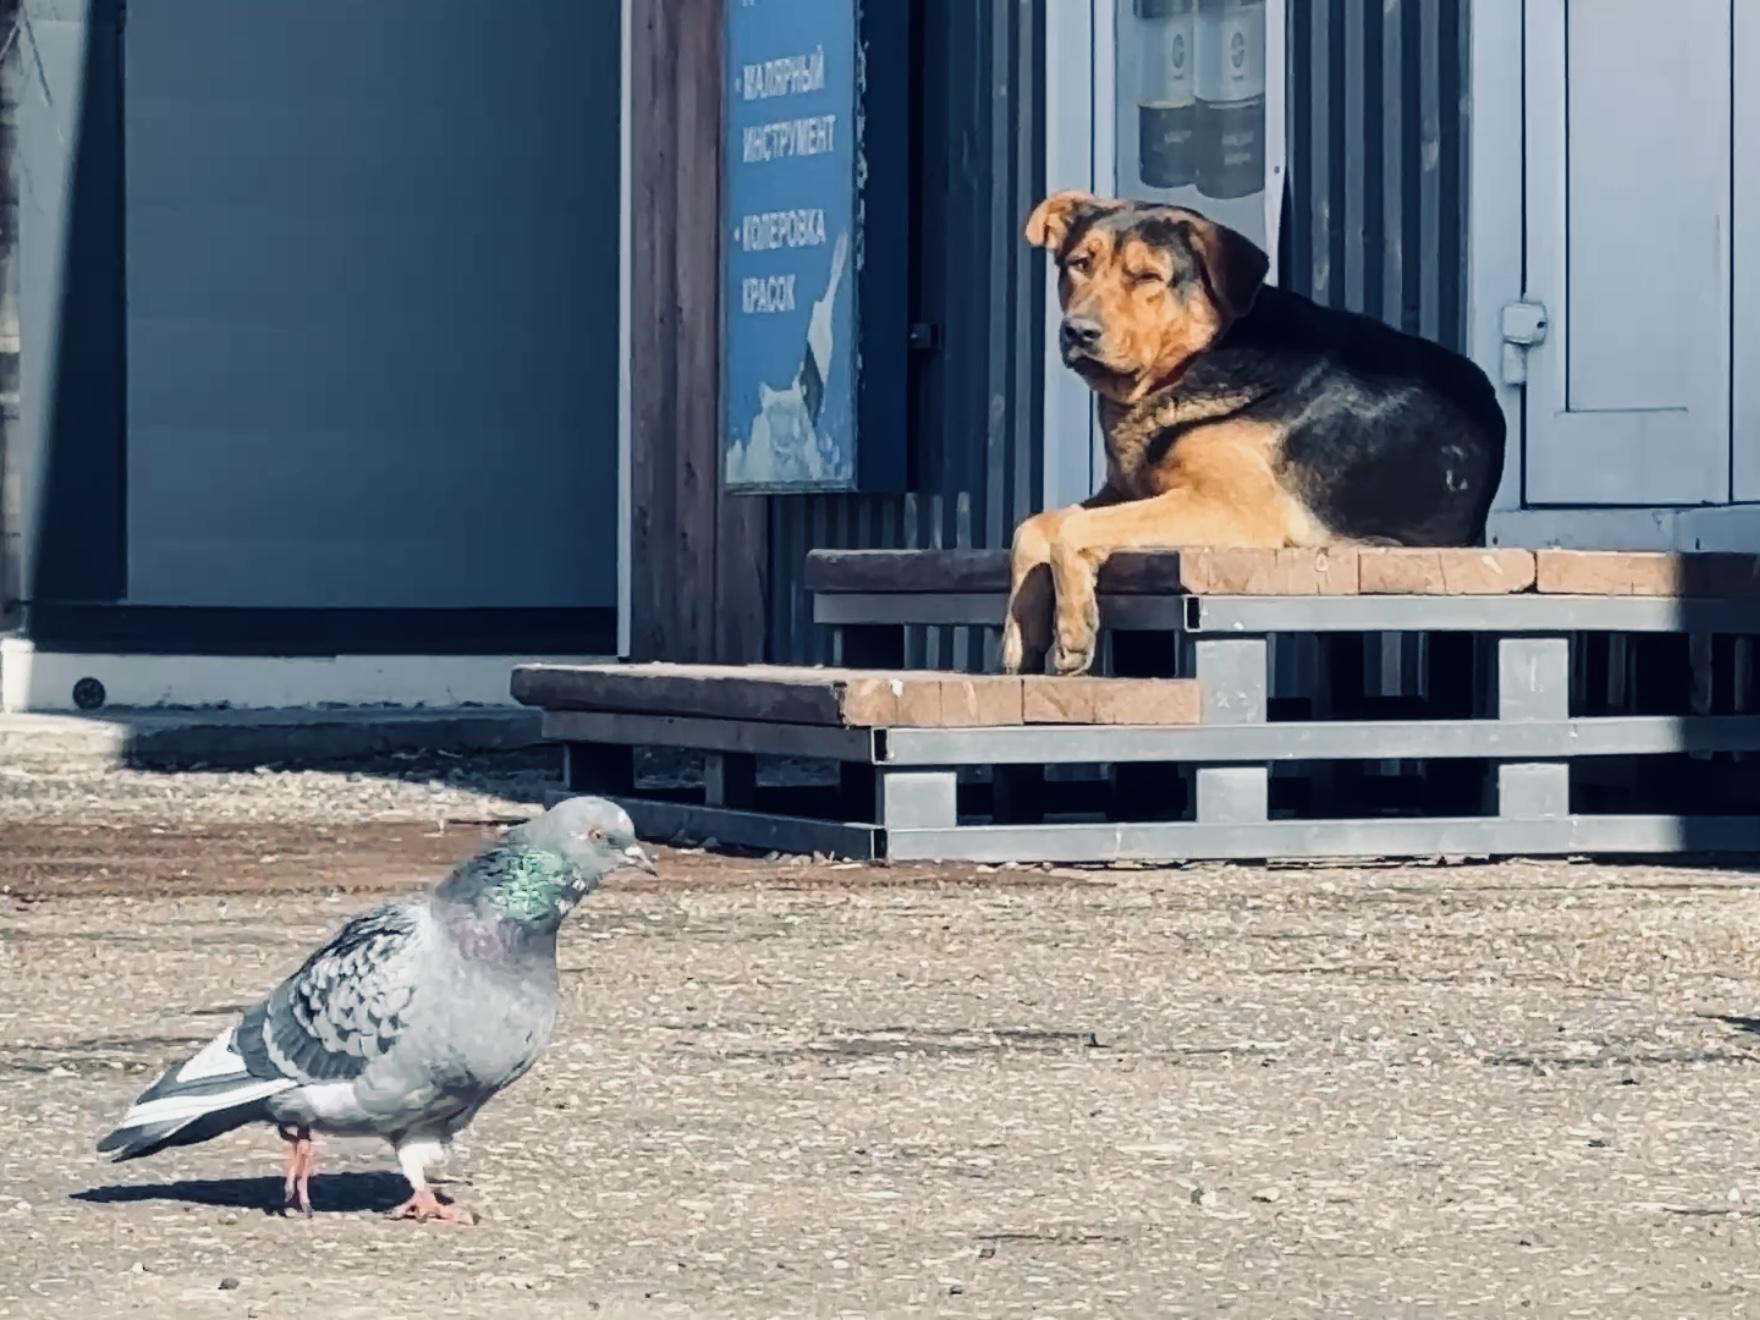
(407,1022)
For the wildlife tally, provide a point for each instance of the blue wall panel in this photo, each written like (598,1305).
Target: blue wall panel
(371,303)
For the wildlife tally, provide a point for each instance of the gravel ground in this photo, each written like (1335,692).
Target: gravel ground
(404,786)
(786,1088)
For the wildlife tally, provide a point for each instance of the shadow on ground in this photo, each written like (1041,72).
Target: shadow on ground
(332,1193)
(1750,1025)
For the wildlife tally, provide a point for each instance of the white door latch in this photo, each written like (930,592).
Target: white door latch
(1524,327)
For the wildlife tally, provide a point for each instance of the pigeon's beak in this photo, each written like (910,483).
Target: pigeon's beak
(640,860)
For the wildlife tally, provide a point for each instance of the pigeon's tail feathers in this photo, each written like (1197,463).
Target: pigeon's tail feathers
(212,1093)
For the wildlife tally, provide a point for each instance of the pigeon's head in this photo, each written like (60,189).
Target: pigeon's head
(540,870)
(595,836)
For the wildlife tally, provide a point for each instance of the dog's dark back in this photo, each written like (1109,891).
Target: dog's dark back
(1390,437)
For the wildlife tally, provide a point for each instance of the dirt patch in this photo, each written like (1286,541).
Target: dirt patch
(66,860)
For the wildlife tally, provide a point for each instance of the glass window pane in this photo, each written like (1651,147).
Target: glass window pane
(1190,126)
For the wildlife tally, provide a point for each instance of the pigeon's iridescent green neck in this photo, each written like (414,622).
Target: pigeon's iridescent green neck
(528,887)
(537,889)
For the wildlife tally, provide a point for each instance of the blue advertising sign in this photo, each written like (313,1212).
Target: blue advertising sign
(789,354)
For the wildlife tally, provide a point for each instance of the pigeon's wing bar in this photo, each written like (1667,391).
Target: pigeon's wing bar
(344,1008)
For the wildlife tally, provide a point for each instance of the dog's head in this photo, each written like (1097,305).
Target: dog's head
(1144,288)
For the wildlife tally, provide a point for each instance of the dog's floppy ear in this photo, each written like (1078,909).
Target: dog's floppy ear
(1234,265)
(1055,218)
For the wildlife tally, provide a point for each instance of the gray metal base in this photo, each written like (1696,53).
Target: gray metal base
(1099,843)
(1263,615)
(671,821)
(1340,740)
(1342,839)
(900,791)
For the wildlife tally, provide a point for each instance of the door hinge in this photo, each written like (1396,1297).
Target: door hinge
(1524,327)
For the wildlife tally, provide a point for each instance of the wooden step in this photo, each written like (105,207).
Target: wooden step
(1327,571)
(1323,571)
(1697,576)
(855,698)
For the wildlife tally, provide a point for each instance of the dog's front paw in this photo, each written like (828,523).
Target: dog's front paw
(1075,619)
(1078,637)
(1070,661)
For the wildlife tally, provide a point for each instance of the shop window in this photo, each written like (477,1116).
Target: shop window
(1191,125)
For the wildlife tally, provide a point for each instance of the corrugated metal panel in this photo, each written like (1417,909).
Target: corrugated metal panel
(975,462)
(1378,163)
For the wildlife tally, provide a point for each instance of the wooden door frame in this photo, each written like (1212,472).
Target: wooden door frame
(1496,234)
(698,558)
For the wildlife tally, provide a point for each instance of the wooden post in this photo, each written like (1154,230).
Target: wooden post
(699,556)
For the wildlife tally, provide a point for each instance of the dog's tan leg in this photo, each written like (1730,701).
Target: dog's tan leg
(1087,538)
(1026,627)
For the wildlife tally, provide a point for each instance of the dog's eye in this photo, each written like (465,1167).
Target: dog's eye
(1077,265)
(1144,278)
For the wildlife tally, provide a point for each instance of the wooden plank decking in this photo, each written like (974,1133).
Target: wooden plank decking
(855,698)
(1328,571)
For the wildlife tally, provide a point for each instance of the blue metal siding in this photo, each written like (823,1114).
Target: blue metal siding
(1378,167)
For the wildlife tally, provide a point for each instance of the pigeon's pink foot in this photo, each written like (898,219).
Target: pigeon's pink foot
(425,1205)
(302,1158)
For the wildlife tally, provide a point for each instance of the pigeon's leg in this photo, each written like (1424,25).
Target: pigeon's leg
(302,1158)
(414,1157)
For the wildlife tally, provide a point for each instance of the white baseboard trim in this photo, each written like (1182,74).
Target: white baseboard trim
(1584,529)
(1732,527)
(44,680)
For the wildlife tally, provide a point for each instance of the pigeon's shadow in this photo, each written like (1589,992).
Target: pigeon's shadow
(332,1193)
(1748,1024)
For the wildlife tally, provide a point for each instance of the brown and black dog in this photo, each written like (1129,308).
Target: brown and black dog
(1235,414)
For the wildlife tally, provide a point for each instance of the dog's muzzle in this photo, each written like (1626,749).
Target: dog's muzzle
(1078,337)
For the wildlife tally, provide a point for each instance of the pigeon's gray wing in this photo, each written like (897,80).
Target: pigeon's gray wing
(344,1008)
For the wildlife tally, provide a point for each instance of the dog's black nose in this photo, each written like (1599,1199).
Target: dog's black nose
(1079,332)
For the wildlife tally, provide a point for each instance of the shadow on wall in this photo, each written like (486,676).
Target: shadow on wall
(63,82)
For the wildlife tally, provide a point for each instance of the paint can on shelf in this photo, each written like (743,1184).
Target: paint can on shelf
(1166,107)
(1229,81)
